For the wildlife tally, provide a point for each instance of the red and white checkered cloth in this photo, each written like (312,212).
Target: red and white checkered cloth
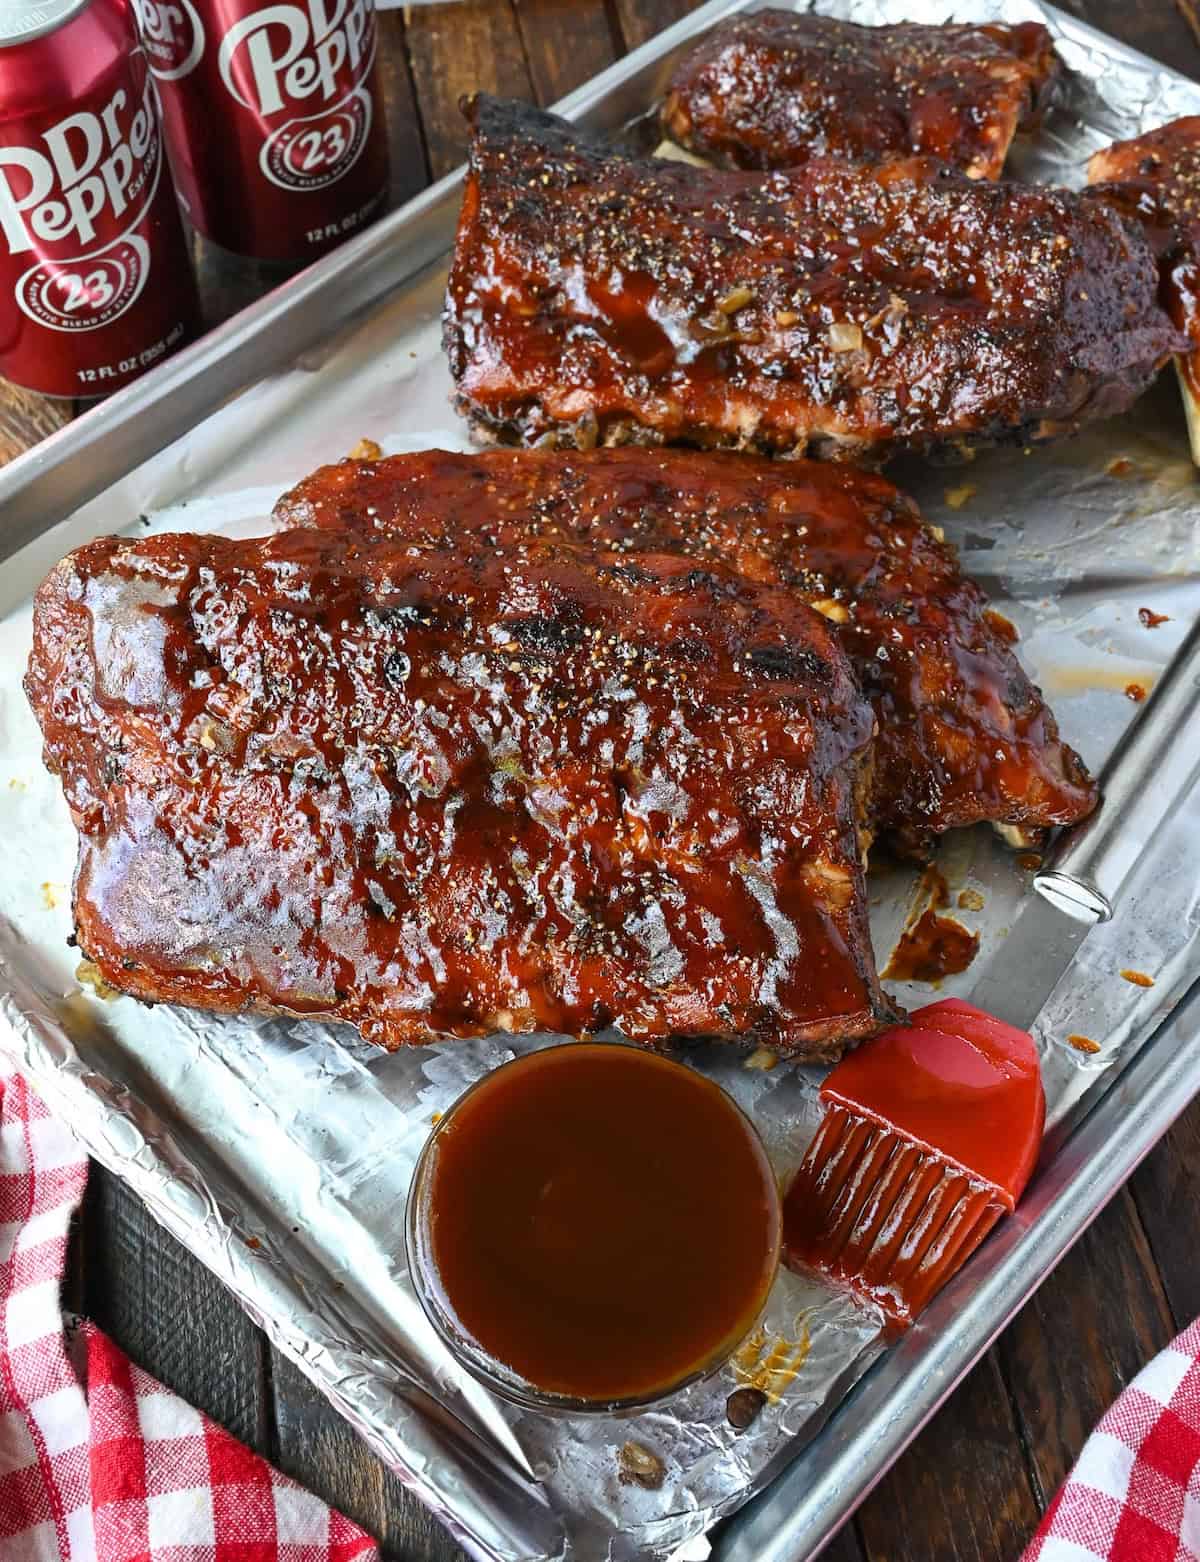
(98,1462)
(1134,1494)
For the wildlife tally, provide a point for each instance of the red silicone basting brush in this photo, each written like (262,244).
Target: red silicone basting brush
(930,1134)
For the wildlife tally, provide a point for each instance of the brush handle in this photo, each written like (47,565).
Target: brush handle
(1151,771)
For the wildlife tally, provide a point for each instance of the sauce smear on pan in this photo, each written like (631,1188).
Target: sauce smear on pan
(932,948)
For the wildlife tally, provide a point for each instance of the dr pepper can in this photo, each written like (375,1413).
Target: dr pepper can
(273,117)
(95,279)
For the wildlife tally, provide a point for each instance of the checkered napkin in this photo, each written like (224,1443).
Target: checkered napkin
(98,1462)
(1134,1494)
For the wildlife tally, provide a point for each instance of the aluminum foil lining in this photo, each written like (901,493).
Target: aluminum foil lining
(280,1152)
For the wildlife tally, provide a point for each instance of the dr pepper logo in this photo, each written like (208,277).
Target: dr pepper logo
(286,57)
(61,197)
(173,35)
(275,61)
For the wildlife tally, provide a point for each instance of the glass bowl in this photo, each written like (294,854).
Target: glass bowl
(529,1079)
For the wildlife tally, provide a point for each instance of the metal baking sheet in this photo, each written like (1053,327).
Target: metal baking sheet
(280,1152)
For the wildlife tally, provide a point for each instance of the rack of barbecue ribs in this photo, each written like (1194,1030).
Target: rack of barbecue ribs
(436,795)
(839,309)
(1155,178)
(963,735)
(769,89)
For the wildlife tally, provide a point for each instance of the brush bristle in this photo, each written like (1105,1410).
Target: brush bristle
(884,1215)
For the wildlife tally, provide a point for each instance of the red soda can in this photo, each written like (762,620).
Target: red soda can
(273,117)
(95,278)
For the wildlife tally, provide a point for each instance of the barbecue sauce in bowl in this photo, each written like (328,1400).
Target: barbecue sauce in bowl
(592,1226)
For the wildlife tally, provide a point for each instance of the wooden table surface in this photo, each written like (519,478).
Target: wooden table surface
(972,1486)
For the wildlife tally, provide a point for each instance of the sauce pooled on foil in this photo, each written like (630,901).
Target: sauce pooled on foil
(603,1223)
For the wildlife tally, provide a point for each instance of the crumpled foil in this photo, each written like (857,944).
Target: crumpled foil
(280,1152)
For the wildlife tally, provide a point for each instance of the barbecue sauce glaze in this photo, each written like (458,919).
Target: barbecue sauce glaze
(604,1222)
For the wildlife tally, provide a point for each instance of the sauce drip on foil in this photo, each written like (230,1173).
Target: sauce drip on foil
(932,946)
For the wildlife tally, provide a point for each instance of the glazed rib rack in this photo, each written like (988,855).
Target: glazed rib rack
(437,795)
(838,309)
(962,734)
(770,89)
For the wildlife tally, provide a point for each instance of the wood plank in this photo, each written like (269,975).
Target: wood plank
(962,1491)
(455,50)
(566,42)
(26,418)
(169,1313)
(641,19)
(1166,1193)
(1092,1326)
(406,144)
(319,1449)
